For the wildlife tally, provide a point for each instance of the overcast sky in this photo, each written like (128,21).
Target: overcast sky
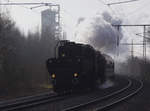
(71,10)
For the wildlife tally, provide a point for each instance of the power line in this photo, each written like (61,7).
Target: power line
(116,3)
(35,3)
(137,10)
(131,25)
(109,6)
(144,39)
(57,12)
(139,34)
(132,44)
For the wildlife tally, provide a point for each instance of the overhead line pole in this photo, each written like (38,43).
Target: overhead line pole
(118,26)
(144,37)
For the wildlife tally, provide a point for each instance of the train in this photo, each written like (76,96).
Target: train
(78,66)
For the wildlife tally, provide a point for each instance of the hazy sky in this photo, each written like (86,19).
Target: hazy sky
(71,10)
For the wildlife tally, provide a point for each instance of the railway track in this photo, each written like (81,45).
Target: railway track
(134,89)
(33,101)
(107,101)
(29,101)
(83,101)
(83,98)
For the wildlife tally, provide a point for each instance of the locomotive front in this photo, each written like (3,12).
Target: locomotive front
(72,67)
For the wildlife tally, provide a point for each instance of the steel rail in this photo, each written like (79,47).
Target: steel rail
(27,105)
(27,97)
(98,99)
(37,96)
(29,101)
(122,99)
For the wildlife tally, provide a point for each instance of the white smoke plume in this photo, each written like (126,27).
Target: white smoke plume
(99,32)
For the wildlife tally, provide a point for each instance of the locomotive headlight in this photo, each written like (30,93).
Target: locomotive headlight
(63,55)
(53,76)
(75,74)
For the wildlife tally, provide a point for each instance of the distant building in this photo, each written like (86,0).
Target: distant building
(50,23)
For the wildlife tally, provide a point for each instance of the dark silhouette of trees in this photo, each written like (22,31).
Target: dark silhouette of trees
(22,59)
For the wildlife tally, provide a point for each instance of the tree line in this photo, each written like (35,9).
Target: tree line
(22,59)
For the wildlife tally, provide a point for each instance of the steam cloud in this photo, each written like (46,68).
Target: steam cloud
(99,32)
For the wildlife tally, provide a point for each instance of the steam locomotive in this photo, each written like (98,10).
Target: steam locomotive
(78,66)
